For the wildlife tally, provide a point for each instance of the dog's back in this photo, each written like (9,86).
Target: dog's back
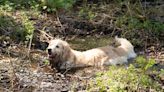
(122,53)
(126,46)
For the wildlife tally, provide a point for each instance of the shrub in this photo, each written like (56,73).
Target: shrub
(20,4)
(48,5)
(53,5)
(19,29)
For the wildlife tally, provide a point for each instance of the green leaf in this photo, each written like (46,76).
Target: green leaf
(150,63)
(44,7)
(46,62)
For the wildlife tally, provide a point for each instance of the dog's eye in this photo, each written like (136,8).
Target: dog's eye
(57,46)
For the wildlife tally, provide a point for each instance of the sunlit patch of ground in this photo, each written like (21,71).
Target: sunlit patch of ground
(19,72)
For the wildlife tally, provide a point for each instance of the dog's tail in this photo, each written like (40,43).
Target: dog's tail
(127,46)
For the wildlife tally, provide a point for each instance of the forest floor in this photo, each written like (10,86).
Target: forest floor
(24,70)
(29,74)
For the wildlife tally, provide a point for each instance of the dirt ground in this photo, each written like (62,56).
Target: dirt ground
(20,73)
(23,72)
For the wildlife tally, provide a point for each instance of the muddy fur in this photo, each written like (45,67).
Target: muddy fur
(62,56)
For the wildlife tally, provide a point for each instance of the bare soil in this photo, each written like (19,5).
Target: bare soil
(22,73)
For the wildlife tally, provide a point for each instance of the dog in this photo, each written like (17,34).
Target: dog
(62,56)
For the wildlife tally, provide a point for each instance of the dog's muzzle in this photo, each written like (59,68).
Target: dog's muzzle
(49,51)
(51,55)
(53,59)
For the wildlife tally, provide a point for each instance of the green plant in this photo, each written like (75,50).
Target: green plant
(4,5)
(46,62)
(53,5)
(86,12)
(143,63)
(161,74)
(28,25)
(19,30)
(121,79)
(8,24)
(20,4)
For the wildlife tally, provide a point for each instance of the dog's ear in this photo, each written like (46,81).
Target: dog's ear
(66,50)
(66,44)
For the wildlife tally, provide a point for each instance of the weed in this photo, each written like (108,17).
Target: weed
(53,5)
(28,25)
(19,30)
(48,5)
(87,13)
(143,63)
(120,79)
(20,4)
(46,62)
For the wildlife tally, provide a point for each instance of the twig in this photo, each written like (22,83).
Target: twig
(66,71)
(104,16)
(45,36)
(29,46)
(60,22)
(13,71)
(143,10)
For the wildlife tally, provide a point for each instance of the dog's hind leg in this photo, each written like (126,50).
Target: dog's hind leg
(119,60)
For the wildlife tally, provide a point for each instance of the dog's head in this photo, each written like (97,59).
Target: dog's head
(58,50)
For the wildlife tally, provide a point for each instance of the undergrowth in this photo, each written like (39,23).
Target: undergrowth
(133,17)
(47,5)
(135,78)
(54,5)
(15,15)
(127,15)
(20,29)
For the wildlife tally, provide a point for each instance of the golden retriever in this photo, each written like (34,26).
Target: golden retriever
(61,55)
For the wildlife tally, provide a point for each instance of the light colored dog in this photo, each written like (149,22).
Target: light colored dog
(61,55)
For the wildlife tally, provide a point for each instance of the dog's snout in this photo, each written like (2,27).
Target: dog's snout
(49,51)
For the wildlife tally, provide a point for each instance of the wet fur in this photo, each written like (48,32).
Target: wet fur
(65,57)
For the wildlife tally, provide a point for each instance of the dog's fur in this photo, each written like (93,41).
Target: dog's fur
(61,55)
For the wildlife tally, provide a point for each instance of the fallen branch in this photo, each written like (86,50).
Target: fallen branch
(45,36)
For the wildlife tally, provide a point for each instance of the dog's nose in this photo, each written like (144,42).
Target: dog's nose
(49,51)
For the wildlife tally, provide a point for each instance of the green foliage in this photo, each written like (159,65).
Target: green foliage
(48,5)
(121,79)
(156,27)
(161,74)
(7,23)
(20,4)
(46,62)
(87,13)
(28,26)
(5,6)
(53,5)
(132,23)
(144,63)
(20,29)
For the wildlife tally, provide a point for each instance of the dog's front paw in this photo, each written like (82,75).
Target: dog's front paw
(67,65)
